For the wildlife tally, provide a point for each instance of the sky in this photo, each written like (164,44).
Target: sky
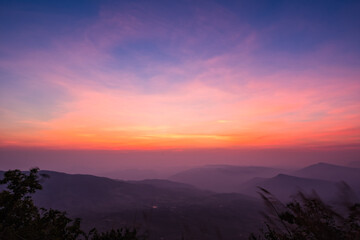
(179,75)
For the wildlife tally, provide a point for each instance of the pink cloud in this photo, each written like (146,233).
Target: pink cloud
(225,100)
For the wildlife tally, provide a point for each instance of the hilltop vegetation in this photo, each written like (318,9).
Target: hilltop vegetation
(309,218)
(21,219)
(157,208)
(162,209)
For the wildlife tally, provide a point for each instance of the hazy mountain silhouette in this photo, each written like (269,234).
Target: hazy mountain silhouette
(222,178)
(132,174)
(353,164)
(166,209)
(330,172)
(283,186)
(78,193)
(167,184)
(184,205)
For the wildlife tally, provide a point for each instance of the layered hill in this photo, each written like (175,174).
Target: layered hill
(285,186)
(323,178)
(164,209)
(210,202)
(222,178)
(331,172)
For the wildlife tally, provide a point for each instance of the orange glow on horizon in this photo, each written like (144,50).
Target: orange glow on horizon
(97,118)
(131,77)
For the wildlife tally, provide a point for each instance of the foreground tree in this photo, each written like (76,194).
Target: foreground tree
(21,219)
(309,218)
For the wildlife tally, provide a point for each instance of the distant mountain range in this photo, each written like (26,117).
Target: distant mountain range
(222,178)
(331,172)
(210,202)
(323,178)
(79,193)
(285,186)
(354,164)
(166,209)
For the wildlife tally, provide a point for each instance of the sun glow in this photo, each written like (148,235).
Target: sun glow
(129,80)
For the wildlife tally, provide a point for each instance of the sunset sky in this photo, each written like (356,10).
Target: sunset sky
(179,74)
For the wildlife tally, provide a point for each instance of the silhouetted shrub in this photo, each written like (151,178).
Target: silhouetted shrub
(308,218)
(20,219)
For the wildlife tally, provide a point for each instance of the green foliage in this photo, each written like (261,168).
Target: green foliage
(308,217)
(21,219)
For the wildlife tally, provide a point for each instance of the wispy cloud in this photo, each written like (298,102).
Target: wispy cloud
(136,77)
